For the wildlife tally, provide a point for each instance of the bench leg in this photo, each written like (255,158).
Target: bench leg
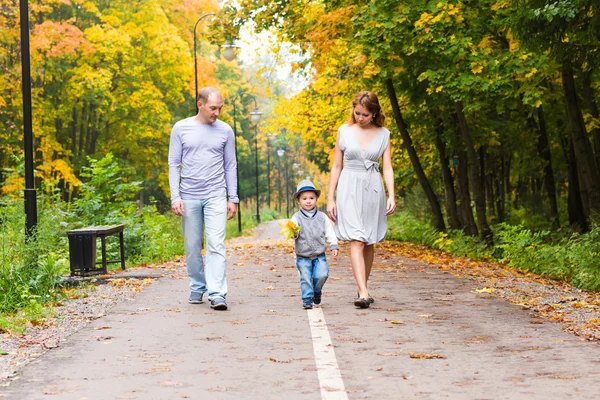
(103,239)
(122,251)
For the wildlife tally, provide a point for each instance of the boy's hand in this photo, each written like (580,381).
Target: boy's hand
(296,234)
(335,252)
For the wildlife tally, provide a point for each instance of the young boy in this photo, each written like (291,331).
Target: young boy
(311,242)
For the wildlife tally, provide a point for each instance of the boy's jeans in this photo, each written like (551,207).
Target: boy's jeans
(210,214)
(313,274)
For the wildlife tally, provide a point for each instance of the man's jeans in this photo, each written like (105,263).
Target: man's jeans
(212,214)
(313,274)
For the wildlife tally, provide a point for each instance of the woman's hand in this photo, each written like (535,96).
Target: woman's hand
(331,210)
(391,206)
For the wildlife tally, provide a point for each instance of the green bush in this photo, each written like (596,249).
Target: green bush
(573,258)
(406,228)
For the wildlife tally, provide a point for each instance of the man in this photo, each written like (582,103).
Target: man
(203,183)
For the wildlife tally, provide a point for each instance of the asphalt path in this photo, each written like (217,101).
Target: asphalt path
(428,335)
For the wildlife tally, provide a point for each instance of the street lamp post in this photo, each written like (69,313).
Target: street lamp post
(255,118)
(280,194)
(228,54)
(281,153)
(269,141)
(29,194)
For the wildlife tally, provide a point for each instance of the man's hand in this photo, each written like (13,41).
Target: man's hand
(177,208)
(231,210)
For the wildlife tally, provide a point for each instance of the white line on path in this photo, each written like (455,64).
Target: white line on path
(330,378)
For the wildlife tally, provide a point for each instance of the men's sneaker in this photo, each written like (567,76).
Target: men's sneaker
(317,298)
(218,304)
(307,304)
(196,298)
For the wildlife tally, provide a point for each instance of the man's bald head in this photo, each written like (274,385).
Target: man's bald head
(208,92)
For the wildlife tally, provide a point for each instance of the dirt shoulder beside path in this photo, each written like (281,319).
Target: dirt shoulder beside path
(434,332)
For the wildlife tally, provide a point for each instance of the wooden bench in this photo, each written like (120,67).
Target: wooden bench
(82,249)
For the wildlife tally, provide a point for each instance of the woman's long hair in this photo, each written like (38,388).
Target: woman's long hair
(369,101)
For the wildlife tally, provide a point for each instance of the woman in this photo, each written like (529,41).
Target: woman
(360,214)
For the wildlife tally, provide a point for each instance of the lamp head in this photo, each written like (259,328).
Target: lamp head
(280,152)
(255,116)
(228,52)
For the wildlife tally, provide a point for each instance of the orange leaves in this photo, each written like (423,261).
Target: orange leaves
(56,39)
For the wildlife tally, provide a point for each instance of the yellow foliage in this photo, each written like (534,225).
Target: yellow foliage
(531,73)
(371,70)
(501,4)
(13,186)
(425,18)
(289,229)
(513,44)
(476,68)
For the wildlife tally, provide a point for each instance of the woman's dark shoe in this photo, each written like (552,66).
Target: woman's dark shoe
(361,303)
(369,299)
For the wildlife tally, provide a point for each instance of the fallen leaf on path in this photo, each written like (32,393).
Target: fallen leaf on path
(169,383)
(426,315)
(426,355)
(280,361)
(485,290)
(269,288)
(388,354)
(218,389)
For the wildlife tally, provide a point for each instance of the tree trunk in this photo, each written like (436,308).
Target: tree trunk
(450,194)
(590,101)
(82,130)
(500,188)
(544,152)
(584,158)
(465,211)
(414,158)
(486,180)
(73,124)
(474,176)
(506,172)
(577,219)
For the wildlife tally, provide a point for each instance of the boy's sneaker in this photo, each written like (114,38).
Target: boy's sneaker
(307,304)
(218,304)
(195,298)
(317,298)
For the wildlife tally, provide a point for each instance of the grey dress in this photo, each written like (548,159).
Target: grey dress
(361,200)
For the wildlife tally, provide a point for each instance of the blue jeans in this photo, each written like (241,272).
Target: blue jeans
(313,274)
(209,214)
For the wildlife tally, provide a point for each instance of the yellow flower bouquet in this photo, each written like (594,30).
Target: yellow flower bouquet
(289,229)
